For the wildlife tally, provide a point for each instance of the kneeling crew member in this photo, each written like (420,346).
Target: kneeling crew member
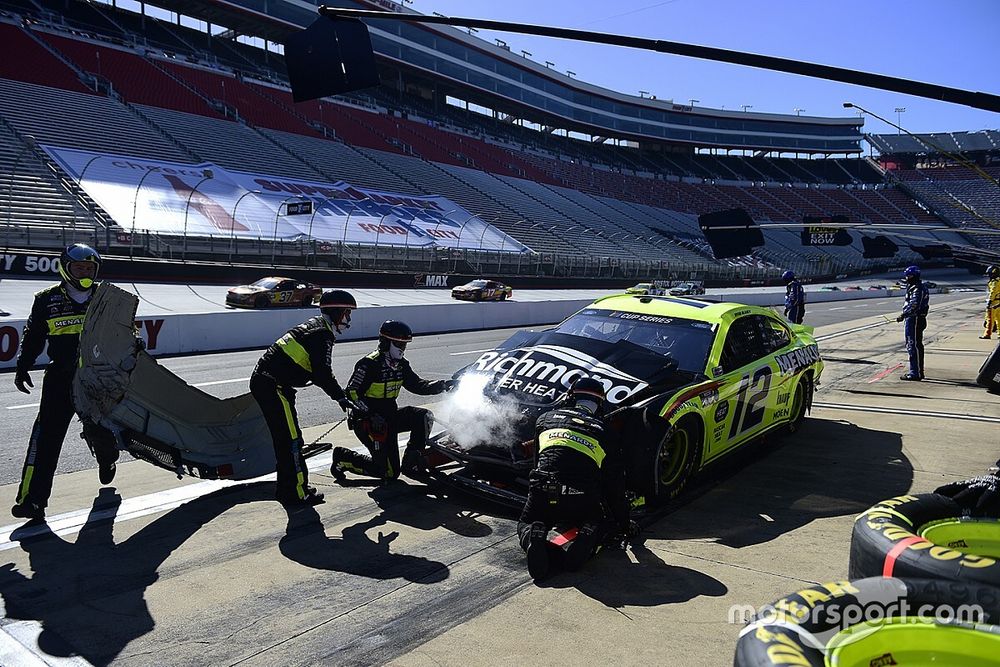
(579,480)
(914,319)
(299,357)
(378,420)
(795,298)
(57,316)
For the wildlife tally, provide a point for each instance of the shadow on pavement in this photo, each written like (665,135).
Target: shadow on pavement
(429,508)
(90,594)
(829,468)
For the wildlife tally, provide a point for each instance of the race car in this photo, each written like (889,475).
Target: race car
(687,383)
(274,291)
(482,290)
(687,289)
(655,288)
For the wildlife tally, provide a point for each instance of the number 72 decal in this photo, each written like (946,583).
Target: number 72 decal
(750,410)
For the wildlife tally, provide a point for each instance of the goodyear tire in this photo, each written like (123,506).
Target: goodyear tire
(876,621)
(897,538)
(801,400)
(676,459)
(260,302)
(989,373)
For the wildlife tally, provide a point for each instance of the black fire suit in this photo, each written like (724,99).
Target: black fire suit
(301,356)
(578,482)
(55,319)
(375,385)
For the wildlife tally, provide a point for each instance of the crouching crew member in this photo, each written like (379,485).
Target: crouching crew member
(914,319)
(795,298)
(378,420)
(299,357)
(578,482)
(57,316)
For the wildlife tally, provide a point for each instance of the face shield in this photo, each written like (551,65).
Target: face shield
(82,273)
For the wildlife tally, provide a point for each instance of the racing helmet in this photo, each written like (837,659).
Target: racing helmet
(788,276)
(394,334)
(912,273)
(587,393)
(992,271)
(337,305)
(79,265)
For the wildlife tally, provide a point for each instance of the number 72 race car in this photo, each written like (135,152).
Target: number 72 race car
(687,382)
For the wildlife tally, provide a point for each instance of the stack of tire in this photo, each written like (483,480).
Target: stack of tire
(924,589)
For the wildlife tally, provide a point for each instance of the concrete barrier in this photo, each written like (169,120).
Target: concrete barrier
(241,329)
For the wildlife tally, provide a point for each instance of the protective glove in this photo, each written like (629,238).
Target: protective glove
(900,318)
(977,495)
(347,405)
(22,378)
(449,385)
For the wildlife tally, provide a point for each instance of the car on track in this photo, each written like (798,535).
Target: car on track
(655,288)
(274,291)
(482,290)
(687,383)
(687,289)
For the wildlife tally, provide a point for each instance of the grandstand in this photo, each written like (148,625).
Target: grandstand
(578,181)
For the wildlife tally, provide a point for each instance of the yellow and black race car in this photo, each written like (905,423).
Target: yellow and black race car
(687,382)
(482,290)
(274,291)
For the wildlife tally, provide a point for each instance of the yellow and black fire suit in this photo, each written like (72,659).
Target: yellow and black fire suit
(55,319)
(991,322)
(375,386)
(301,356)
(578,483)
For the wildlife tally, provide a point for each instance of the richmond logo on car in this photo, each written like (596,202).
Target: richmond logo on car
(546,371)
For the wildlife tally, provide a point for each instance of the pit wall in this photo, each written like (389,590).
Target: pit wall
(243,329)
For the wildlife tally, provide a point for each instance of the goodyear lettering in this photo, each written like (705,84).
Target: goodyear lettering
(782,650)
(797,360)
(896,533)
(958,544)
(884,660)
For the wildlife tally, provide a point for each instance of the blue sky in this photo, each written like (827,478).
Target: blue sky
(948,42)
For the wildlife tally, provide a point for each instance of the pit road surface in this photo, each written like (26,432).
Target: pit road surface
(397,574)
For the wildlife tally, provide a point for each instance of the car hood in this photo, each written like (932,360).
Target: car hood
(247,289)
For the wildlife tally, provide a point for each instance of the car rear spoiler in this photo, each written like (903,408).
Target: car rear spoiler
(802,329)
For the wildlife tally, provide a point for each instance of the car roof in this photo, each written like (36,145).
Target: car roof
(673,306)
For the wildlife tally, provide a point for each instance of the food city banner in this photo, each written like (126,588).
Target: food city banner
(206,199)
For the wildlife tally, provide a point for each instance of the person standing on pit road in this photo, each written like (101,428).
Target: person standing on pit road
(301,356)
(578,482)
(377,421)
(992,321)
(795,298)
(914,319)
(57,316)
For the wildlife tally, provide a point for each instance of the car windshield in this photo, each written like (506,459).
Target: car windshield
(476,283)
(642,286)
(267,283)
(685,341)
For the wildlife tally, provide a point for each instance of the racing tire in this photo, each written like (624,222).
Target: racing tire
(875,621)
(801,400)
(989,373)
(260,302)
(503,297)
(925,536)
(677,458)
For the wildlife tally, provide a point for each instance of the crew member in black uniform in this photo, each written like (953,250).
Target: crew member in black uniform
(914,319)
(578,482)
(795,298)
(57,316)
(374,387)
(299,357)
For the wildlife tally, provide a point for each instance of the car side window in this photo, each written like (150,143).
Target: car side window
(747,340)
(285,285)
(777,335)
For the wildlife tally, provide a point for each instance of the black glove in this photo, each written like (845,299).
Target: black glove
(901,318)
(977,495)
(347,404)
(633,530)
(449,385)
(22,378)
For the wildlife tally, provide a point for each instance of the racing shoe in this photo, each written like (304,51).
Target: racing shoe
(413,465)
(337,470)
(106,473)
(910,377)
(312,497)
(28,510)
(538,551)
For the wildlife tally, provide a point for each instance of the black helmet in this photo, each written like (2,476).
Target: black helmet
(587,387)
(395,332)
(992,271)
(337,306)
(76,259)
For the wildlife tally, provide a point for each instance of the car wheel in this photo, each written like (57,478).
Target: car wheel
(801,398)
(677,458)
(503,296)
(260,302)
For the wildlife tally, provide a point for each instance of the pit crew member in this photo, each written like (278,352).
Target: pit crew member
(914,319)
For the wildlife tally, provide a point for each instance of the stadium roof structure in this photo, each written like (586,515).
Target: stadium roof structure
(922,144)
(467,67)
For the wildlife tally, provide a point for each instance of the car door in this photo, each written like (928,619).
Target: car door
(490,291)
(748,375)
(284,292)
